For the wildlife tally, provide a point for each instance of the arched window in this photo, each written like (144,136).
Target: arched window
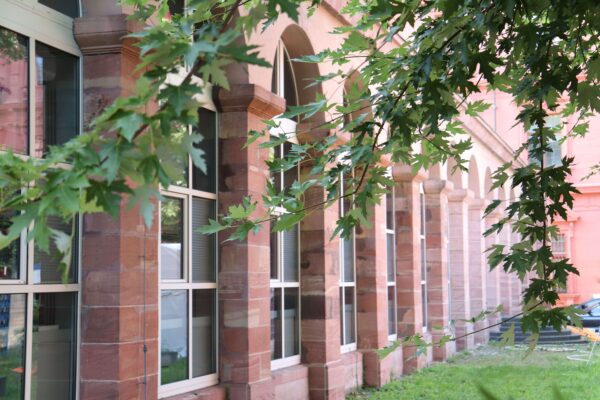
(40,104)
(285,246)
(390,233)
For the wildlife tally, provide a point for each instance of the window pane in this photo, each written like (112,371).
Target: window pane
(57,97)
(10,256)
(349,314)
(54,344)
(207,127)
(348,256)
(342,302)
(173,336)
(275,324)
(424,303)
(391,310)
(423,260)
(275,154)
(176,7)
(46,264)
(391,259)
(389,207)
(12,345)
(171,238)
(291,175)
(290,254)
(289,90)
(274,240)
(204,327)
(14,96)
(67,7)
(292,322)
(203,246)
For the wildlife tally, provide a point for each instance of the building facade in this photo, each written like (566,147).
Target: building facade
(169,313)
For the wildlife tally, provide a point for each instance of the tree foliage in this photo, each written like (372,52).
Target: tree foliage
(422,62)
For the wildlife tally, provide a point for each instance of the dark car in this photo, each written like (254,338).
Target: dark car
(592,318)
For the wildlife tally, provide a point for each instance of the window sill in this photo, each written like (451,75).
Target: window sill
(285,362)
(176,388)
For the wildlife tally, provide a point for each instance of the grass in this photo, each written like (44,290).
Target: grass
(504,372)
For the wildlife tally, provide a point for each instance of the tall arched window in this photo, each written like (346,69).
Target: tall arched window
(40,104)
(423,246)
(390,233)
(347,274)
(285,246)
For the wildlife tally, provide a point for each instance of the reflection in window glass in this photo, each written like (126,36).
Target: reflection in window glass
(349,328)
(391,310)
(171,238)
(274,251)
(10,256)
(203,246)
(173,336)
(14,97)
(291,323)
(276,324)
(204,327)
(12,345)
(207,127)
(348,249)
(54,346)
(57,97)
(46,264)
(391,259)
(290,254)
(67,7)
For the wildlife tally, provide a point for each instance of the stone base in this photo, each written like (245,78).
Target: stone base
(380,371)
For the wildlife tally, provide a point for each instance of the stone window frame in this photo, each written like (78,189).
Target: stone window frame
(390,230)
(286,127)
(343,283)
(423,250)
(187,194)
(39,23)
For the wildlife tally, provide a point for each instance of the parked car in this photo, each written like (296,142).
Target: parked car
(592,318)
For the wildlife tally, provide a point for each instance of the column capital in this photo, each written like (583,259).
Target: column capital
(249,97)
(459,195)
(435,186)
(478,204)
(404,173)
(105,34)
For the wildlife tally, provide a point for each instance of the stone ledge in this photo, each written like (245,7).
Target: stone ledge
(251,98)
(104,34)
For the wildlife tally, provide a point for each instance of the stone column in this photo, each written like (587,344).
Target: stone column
(496,287)
(244,291)
(477,284)
(437,265)
(372,319)
(320,301)
(408,262)
(458,208)
(119,311)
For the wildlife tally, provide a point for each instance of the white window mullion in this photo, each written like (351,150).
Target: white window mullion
(28,344)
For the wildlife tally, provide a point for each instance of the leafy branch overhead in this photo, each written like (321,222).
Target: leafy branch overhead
(419,66)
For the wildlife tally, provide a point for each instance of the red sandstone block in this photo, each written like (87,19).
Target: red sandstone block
(99,362)
(100,324)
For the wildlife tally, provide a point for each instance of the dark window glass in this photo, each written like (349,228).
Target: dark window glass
(204,329)
(12,345)
(207,127)
(46,265)
(14,94)
(292,322)
(389,207)
(391,260)
(176,7)
(291,175)
(54,346)
(67,7)
(57,97)
(274,244)
(173,336)
(10,256)
(203,246)
(349,332)
(290,254)
(424,304)
(276,324)
(348,254)
(391,310)
(171,238)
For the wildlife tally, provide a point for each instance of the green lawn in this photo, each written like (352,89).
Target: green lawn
(502,371)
